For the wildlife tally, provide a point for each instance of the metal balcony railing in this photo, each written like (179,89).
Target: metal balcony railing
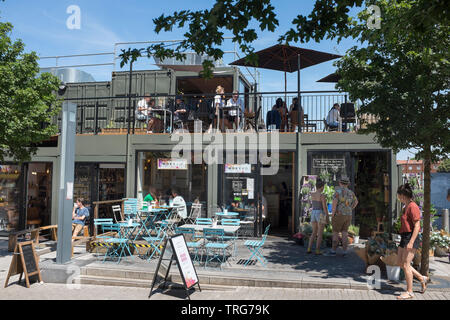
(121,115)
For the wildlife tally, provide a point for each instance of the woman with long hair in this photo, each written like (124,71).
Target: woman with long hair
(409,243)
(319,216)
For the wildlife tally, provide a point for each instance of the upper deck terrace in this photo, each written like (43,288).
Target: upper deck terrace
(119,115)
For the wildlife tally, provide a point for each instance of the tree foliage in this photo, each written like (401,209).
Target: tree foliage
(27,102)
(444,166)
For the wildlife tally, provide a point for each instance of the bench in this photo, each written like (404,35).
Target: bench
(13,237)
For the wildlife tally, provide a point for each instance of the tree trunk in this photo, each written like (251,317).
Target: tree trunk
(424,265)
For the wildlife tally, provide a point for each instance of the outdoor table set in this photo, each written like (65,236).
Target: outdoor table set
(216,240)
(155,220)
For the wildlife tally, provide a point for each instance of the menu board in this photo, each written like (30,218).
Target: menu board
(184,261)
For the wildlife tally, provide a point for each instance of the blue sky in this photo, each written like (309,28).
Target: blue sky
(42,27)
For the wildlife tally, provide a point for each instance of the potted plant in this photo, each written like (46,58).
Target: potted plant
(329,191)
(440,243)
(354,232)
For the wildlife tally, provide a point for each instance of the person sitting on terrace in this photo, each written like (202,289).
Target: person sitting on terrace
(293,114)
(179,202)
(155,123)
(180,112)
(235,101)
(334,118)
(142,108)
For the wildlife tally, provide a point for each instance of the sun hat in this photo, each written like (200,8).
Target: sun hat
(344,180)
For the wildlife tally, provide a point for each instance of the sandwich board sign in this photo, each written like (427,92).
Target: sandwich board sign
(175,249)
(24,261)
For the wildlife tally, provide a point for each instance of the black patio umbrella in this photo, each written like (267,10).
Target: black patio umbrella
(333,78)
(285,58)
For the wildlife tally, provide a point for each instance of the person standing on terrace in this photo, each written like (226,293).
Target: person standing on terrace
(293,114)
(219,103)
(235,101)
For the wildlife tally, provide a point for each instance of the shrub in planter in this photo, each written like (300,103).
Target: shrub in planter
(440,243)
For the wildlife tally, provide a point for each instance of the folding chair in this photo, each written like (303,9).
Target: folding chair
(117,210)
(234,237)
(192,242)
(156,241)
(254,246)
(216,245)
(196,212)
(204,221)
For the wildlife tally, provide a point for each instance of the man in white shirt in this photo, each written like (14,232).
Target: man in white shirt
(142,109)
(178,201)
(235,101)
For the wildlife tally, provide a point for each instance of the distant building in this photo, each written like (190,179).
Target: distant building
(415,168)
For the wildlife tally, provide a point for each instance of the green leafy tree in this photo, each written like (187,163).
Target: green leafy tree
(400,71)
(402,75)
(27,101)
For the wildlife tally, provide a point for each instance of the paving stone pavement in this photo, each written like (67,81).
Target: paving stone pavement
(51,291)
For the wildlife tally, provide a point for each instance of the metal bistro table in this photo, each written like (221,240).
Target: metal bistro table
(200,227)
(150,219)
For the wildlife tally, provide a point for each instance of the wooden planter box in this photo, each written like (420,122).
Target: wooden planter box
(114,131)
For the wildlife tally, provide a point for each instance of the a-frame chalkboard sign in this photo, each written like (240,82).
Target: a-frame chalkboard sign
(178,252)
(25,261)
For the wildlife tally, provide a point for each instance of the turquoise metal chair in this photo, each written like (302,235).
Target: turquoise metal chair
(233,238)
(130,208)
(215,245)
(204,221)
(156,241)
(255,246)
(193,242)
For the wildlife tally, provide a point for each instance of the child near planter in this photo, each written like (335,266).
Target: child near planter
(319,216)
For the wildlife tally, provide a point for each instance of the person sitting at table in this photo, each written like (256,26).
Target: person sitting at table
(142,109)
(334,118)
(180,113)
(178,201)
(151,196)
(235,101)
(155,122)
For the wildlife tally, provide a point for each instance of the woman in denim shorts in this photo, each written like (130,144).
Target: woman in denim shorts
(319,216)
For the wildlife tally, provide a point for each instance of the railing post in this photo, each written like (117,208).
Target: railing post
(134,115)
(96,118)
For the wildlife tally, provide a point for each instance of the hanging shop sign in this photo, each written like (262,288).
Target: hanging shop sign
(238,168)
(172,164)
(328,163)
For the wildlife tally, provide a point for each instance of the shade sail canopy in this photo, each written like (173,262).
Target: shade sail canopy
(334,77)
(284,58)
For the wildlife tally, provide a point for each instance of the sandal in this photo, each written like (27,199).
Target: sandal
(424,282)
(405,296)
